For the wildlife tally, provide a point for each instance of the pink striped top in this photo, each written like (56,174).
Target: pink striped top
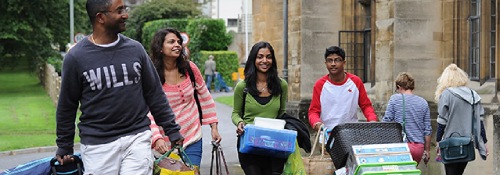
(181,99)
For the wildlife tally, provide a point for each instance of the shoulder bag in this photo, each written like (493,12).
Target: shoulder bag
(459,148)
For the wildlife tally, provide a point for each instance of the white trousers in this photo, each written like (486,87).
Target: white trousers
(128,155)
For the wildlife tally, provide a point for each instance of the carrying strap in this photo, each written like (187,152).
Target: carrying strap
(182,154)
(195,93)
(219,158)
(404,117)
(245,92)
(316,140)
(473,119)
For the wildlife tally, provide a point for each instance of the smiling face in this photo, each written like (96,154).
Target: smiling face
(335,64)
(172,46)
(264,60)
(115,16)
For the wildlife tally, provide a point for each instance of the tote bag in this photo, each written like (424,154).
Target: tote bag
(166,165)
(318,164)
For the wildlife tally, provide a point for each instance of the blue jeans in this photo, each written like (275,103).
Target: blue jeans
(194,152)
(209,79)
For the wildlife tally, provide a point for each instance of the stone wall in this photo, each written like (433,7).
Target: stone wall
(51,81)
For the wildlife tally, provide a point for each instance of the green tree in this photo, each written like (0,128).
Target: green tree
(159,9)
(35,30)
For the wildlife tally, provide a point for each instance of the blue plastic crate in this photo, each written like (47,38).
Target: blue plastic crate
(268,142)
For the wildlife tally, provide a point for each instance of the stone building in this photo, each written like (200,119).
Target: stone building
(381,39)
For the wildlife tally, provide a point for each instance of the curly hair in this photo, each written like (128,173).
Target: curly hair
(452,76)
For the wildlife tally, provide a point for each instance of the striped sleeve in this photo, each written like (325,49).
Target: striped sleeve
(156,131)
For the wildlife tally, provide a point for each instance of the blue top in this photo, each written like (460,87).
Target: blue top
(417,114)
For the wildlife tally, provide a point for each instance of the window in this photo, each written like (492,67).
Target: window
(474,49)
(232,22)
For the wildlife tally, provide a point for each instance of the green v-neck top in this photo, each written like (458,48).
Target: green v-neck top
(274,108)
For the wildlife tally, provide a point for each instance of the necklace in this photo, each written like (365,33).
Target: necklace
(92,37)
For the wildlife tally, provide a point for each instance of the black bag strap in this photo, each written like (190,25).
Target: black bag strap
(245,92)
(195,93)
(473,118)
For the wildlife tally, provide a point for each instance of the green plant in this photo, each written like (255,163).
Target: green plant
(207,34)
(226,63)
(158,9)
(56,61)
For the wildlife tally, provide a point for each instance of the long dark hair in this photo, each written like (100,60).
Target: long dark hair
(157,56)
(273,81)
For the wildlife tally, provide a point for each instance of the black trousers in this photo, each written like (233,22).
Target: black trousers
(455,168)
(260,165)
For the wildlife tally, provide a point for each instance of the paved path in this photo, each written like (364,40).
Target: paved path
(11,159)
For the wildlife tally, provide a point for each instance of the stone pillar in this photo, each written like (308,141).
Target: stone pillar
(495,152)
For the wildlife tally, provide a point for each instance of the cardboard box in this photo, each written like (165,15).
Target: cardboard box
(268,142)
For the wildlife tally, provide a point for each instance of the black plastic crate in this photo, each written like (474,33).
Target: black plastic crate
(361,133)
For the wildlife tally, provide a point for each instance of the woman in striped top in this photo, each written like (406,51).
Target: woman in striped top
(170,63)
(416,120)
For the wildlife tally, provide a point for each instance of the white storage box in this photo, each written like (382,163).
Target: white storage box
(389,148)
(269,123)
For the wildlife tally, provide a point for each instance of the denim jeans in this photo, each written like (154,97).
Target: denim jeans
(194,152)
(208,79)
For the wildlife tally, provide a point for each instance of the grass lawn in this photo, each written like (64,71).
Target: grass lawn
(227,100)
(27,113)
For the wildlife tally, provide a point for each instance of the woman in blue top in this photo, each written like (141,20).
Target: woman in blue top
(266,97)
(413,113)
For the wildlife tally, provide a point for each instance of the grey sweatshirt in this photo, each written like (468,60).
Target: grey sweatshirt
(455,111)
(115,88)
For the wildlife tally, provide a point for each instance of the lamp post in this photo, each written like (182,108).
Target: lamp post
(71,22)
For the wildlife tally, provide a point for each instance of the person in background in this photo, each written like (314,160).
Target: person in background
(337,95)
(416,119)
(111,79)
(209,70)
(266,97)
(454,100)
(172,67)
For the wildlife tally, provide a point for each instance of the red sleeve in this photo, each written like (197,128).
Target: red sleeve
(315,107)
(364,102)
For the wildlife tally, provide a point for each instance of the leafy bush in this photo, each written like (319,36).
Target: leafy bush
(159,9)
(150,28)
(56,61)
(207,34)
(226,63)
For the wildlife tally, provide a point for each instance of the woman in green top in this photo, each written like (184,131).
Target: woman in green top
(266,97)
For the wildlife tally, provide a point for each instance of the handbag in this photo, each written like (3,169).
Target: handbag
(166,165)
(219,159)
(318,164)
(459,148)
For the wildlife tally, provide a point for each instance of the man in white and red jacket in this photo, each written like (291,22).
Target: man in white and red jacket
(337,95)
